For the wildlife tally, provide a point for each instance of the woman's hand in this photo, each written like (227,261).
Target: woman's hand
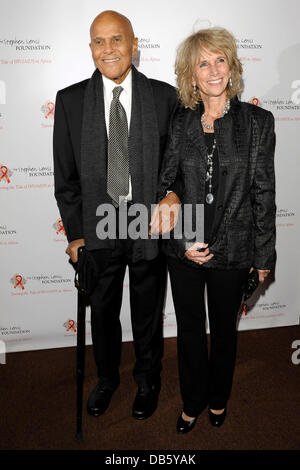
(199,257)
(262,274)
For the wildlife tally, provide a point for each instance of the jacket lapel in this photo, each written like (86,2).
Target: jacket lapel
(196,136)
(93,135)
(227,140)
(135,144)
(225,132)
(143,140)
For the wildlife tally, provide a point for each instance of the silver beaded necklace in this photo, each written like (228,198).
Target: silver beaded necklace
(209,173)
(225,111)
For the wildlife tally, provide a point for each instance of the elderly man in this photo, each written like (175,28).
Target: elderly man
(109,136)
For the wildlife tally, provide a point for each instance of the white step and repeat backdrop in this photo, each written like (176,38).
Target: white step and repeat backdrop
(44,46)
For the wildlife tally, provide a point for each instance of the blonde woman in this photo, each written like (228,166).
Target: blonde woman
(222,150)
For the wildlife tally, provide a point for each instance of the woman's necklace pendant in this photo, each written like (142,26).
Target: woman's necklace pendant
(209,198)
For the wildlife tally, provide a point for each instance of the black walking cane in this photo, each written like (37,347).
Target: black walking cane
(85,281)
(80,353)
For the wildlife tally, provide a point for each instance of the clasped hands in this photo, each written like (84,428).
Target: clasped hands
(165,214)
(164,219)
(204,256)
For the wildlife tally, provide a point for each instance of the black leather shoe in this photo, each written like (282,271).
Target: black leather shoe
(99,400)
(217,420)
(145,402)
(184,426)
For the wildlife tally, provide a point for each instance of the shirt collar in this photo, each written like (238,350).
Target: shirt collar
(109,85)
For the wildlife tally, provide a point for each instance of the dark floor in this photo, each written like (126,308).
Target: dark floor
(37,402)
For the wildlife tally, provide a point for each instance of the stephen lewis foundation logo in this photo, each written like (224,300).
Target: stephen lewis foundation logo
(48,110)
(18,281)
(8,235)
(248,43)
(285,218)
(24,44)
(5,174)
(279,105)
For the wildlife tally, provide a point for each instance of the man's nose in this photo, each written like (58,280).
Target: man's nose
(108,47)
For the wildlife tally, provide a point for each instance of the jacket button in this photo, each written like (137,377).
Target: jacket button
(220,207)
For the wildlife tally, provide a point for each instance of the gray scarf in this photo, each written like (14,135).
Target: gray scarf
(143,151)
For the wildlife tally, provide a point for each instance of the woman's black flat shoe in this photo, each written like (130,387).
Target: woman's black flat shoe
(184,426)
(217,420)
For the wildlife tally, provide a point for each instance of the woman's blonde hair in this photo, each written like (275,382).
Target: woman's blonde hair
(214,40)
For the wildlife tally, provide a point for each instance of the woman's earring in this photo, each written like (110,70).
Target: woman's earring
(195,89)
(230,81)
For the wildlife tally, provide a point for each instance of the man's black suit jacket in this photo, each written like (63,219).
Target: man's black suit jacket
(67,159)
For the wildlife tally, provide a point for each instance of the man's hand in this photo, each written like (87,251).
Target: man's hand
(72,249)
(262,274)
(199,257)
(165,214)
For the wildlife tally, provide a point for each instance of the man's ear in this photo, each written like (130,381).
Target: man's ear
(135,46)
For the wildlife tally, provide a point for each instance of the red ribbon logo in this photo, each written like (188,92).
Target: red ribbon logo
(60,227)
(19,280)
(50,107)
(255,101)
(4,171)
(71,324)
